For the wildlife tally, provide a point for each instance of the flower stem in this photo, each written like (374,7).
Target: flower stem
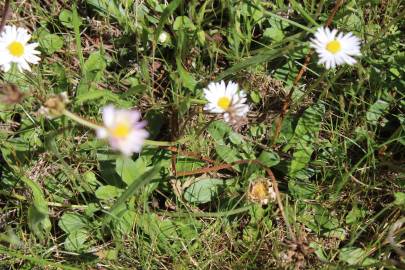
(92,125)
(198,101)
(80,120)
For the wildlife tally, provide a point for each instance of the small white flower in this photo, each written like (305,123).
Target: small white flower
(15,49)
(163,37)
(335,48)
(123,129)
(226,99)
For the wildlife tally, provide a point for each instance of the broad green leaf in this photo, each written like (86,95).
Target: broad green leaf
(71,222)
(355,215)
(305,135)
(376,110)
(188,164)
(274,33)
(130,191)
(227,153)
(183,22)
(112,9)
(50,43)
(128,169)
(325,220)
(355,256)
(399,199)
(95,66)
(76,241)
(66,18)
(125,223)
(186,78)
(218,131)
(167,12)
(38,216)
(108,192)
(302,189)
(203,190)
(269,159)
(95,94)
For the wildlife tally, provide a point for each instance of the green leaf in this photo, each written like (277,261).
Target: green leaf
(71,222)
(108,192)
(325,220)
(269,159)
(128,169)
(227,153)
(135,185)
(274,33)
(355,256)
(76,240)
(305,134)
(50,43)
(355,215)
(399,199)
(38,216)
(113,9)
(302,189)
(125,223)
(93,70)
(165,16)
(95,66)
(66,18)
(376,111)
(218,131)
(255,96)
(203,190)
(186,79)
(183,22)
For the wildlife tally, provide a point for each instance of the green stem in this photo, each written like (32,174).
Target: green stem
(91,125)
(80,120)
(208,214)
(198,101)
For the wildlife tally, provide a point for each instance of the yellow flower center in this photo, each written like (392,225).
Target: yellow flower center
(334,46)
(121,130)
(224,103)
(259,191)
(16,49)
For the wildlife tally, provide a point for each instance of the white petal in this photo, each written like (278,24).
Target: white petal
(109,116)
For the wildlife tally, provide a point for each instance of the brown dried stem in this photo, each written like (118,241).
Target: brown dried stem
(287,102)
(6,9)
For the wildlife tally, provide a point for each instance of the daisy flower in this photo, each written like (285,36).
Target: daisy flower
(15,49)
(227,100)
(123,130)
(335,48)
